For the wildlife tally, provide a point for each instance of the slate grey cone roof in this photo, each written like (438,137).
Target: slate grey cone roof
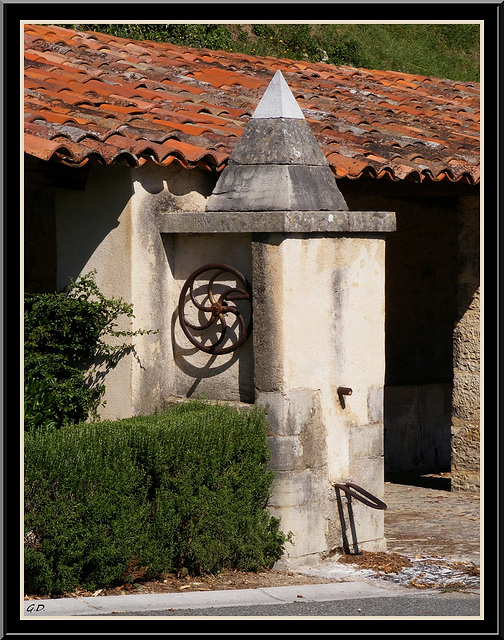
(277,165)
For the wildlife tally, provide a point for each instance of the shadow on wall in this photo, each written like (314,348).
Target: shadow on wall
(156,180)
(417,429)
(86,220)
(200,366)
(222,377)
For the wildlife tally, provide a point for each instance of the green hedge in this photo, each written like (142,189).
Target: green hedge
(182,491)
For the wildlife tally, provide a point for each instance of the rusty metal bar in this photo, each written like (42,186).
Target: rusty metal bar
(344,391)
(346,546)
(352,525)
(352,489)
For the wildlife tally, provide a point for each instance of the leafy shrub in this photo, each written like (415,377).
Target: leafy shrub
(64,334)
(264,31)
(111,502)
(85,499)
(212,36)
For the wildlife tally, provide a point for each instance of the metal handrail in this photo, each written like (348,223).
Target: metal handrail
(354,490)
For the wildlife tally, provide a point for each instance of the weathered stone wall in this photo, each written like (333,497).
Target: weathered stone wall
(466,352)
(111,226)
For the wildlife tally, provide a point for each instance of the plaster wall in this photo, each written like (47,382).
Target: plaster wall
(113,228)
(93,232)
(196,373)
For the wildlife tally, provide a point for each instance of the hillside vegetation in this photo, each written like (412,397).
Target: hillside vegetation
(442,50)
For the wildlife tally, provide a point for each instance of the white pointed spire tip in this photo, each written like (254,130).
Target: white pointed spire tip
(278,101)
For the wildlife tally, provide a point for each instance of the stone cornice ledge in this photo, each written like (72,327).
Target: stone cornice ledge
(277,222)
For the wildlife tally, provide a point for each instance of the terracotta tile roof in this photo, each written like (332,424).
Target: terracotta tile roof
(91,95)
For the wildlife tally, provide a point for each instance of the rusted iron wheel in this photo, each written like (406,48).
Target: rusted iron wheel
(218,307)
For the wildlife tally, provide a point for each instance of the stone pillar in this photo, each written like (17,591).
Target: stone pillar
(319,326)
(319,313)
(465,465)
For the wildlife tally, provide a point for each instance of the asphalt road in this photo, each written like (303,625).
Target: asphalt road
(422,605)
(355,598)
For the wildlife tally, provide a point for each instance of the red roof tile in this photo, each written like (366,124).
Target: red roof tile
(91,95)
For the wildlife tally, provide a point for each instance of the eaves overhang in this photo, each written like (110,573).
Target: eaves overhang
(94,96)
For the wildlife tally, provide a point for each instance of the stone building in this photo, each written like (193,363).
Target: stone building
(123,137)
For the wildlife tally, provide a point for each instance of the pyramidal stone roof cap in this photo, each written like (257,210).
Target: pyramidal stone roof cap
(278,101)
(277,164)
